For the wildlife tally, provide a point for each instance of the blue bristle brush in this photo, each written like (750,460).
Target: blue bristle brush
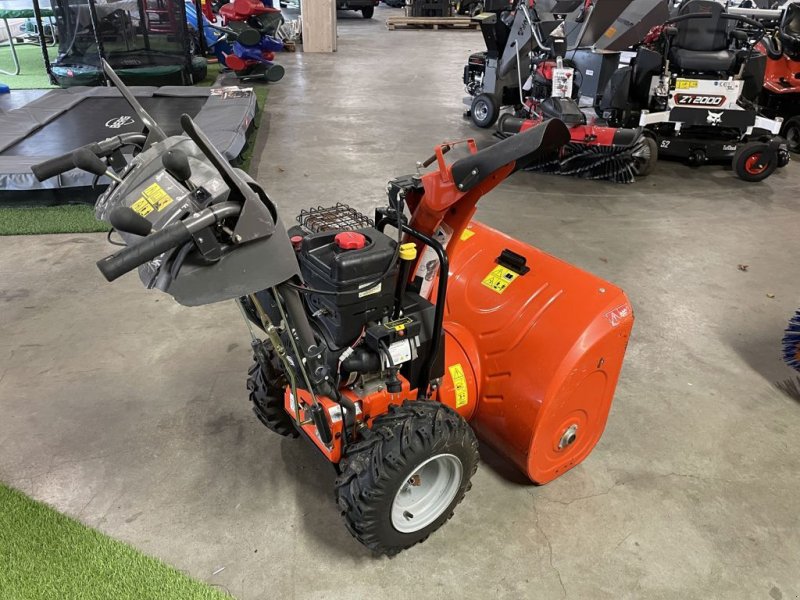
(791,342)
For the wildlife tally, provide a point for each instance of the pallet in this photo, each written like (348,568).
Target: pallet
(434,23)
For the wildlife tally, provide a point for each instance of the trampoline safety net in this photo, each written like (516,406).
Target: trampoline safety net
(147,42)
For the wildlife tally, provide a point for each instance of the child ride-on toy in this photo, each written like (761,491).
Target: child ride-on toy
(387,343)
(694,88)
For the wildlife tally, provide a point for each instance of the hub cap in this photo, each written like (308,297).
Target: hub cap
(751,164)
(426,493)
(481,110)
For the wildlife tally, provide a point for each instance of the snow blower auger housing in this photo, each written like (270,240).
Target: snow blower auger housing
(694,85)
(388,343)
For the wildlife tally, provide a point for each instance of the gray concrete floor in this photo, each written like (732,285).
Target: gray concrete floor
(129,412)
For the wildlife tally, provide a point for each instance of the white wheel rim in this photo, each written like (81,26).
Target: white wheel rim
(481,110)
(426,493)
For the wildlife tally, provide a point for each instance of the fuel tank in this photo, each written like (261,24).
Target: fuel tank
(544,342)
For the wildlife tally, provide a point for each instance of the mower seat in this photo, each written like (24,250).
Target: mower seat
(702,42)
(789,32)
(691,60)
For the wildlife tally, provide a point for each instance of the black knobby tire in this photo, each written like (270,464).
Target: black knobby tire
(484,111)
(744,160)
(791,131)
(267,398)
(367,12)
(374,471)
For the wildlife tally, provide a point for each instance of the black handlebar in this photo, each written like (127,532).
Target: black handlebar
(153,245)
(59,164)
(65,162)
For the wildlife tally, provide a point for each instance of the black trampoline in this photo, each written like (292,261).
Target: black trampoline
(63,120)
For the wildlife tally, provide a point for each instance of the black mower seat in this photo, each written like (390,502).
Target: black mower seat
(698,60)
(789,32)
(702,42)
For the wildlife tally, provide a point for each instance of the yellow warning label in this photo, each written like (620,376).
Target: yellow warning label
(466,234)
(460,385)
(142,206)
(685,84)
(610,32)
(499,279)
(157,196)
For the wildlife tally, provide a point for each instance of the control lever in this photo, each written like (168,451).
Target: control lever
(430,160)
(177,164)
(124,218)
(86,160)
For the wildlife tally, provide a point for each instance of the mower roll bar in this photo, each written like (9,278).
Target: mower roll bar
(726,16)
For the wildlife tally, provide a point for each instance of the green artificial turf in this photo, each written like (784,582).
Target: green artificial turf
(49,219)
(32,75)
(45,555)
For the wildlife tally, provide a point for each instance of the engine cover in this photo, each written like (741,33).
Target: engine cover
(352,277)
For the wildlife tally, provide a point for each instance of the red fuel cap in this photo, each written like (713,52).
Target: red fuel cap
(350,240)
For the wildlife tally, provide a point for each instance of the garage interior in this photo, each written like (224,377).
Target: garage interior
(130,413)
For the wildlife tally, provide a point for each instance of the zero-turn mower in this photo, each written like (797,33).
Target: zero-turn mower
(694,84)
(390,343)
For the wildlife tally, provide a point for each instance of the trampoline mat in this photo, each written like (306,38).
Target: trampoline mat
(96,118)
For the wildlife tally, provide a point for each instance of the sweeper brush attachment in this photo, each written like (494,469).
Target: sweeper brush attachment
(612,154)
(620,164)
(791,342)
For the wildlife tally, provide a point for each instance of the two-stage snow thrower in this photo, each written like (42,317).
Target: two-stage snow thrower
(390,342)
(547,89)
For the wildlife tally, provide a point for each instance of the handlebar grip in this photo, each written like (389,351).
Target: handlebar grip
(59,164)
(153,245)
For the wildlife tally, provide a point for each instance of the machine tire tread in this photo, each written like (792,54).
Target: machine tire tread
(268,403)
(399,439)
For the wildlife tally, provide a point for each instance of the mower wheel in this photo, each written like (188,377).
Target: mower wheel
(484,111)
(367,12)
(791,131)
(646,157)
(404,479)
(745,162)
(267,399)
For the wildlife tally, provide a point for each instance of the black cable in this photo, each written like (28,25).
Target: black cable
(112,242)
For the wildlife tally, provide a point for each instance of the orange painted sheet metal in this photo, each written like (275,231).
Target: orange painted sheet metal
(546,347)
(370,406)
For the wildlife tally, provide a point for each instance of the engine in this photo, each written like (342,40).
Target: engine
(373,329)
(474,72)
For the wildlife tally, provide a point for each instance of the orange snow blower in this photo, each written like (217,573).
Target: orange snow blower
(388,352)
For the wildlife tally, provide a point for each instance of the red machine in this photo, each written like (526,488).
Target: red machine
(781,94)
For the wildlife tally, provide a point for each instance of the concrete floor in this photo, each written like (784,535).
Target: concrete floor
(129,412)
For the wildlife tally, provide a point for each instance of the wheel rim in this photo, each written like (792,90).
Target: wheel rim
(481,110)
(426,493)
(751,162)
